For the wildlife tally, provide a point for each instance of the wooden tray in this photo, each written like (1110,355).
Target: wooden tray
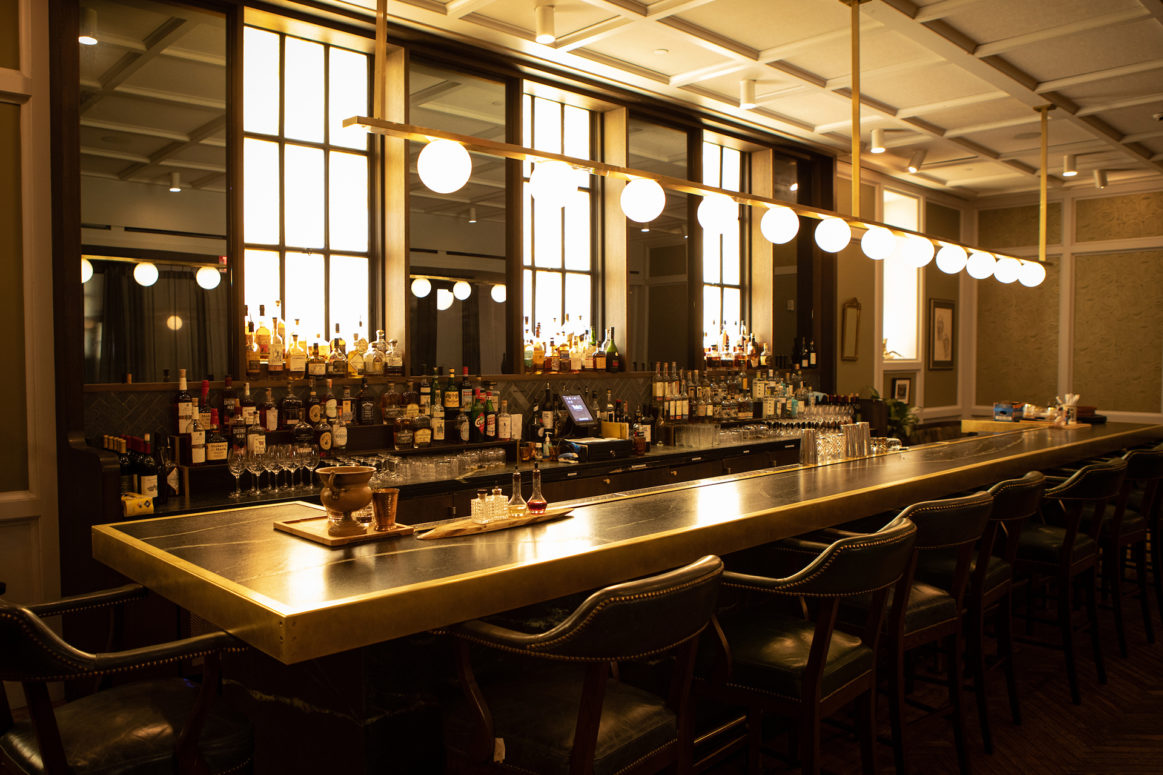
(315,529)
(465,527)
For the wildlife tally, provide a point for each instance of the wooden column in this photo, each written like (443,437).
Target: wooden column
(615,272)
(391,98)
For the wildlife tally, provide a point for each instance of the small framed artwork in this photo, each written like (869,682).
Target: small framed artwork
(942,334)
(902,389)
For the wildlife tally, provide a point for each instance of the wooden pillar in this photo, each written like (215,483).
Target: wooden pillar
(391,98)
(761,281)
(615,272)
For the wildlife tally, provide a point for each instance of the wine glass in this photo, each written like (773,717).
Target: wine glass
(270,464)
(287,463)
(254,465)
(310,460)
(237,465)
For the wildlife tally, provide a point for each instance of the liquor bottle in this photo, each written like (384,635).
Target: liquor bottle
(451,395)
(296,354)
(278,325)
(425,391)
(600,353)
(411,401)
(373,363)
(391,405)
(422,428)
(812,354)
(184,405)
(124,465)
(347,406)
(276,352)
(291,410)
(356,362)
(323,436)
(253,357)
(216,445)
(490,417)
(247,407)
(477,418)
(204,404)
(550,360)
(268,414)
(504,422)
(465,389)
(365,406)
(536,503)
(527,354)
(229,402)
(437,393)
(238,429)
(147,471)
(197,454)
(313,409)
(337,360)
(394,359)
(437,422)
(613,357)
(316,364)
(330,404)
(538,350)
(463,427)
(547,413)
(534,431)
(262,335)
(404,436)
(339,434)
(303,434)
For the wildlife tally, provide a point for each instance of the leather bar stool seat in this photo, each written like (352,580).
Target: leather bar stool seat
(133,728)
(771,651)
(156,726)
(1043,543)
(546,702)
(939,571)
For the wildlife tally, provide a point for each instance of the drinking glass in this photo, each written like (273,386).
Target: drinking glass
(237,465)
(270,464)
(254,465)
(287,463)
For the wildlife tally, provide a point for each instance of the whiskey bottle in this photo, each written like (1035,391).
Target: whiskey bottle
(451,395)
(262,335)
(296,354)
(316,364)
(425,391)
(313,409)
(229,402)
(197,454)
(216,445)
(463,427)
(323,436)
(339,434)
(437,422)
(276,353)
(147,471)
(404,436)
(347,406)
(204,404)
(356,362)
(422,428)
(504,422)
(247,407)
(184,405)
(391,405)
(365,406)
(465,390)
(337,360)
(268,414)
(394,359)
(330,404)
(477,418)
(253,355)
(291,410)
(373,362)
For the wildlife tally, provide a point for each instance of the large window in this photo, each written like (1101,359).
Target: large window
(306,183)
(722,252)
(902,288)
(558,250)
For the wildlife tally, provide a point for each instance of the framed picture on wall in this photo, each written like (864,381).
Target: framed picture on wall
(902,389)
(942,334)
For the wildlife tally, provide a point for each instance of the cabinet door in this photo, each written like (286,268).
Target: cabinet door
(427,508)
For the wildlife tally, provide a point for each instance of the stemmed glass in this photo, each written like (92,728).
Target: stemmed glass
(270,464)
(254,465)
(287,463)
(310,460)
(237,465)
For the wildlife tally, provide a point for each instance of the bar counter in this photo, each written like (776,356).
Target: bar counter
(296,600)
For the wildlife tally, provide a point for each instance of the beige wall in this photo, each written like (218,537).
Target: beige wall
(1118,360)
(940,387)
(1119,217)
(1007,227)
(856,279)
(1017,340)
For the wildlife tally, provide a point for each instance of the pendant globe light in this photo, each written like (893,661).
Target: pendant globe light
(1031,274)
(444,166)
(833,234)
(552,183)
(717,212)
(878,243)
(980,265)
(779,225)
(1007,270)
(642,200)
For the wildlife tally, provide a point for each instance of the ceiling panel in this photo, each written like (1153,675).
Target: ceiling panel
(568,15)
(925,85)
(1087,52)
(878,48)
(990,20)
(682,54)
(1110,90)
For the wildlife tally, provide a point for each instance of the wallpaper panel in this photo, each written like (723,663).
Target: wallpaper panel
(856,278)
(941,385)
(1118,331)
(1017,340)
(942,221)
(1009,227)
(1119,217)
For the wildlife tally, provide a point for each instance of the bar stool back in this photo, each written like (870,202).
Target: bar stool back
(615,727)
(1059,550)
(805,668)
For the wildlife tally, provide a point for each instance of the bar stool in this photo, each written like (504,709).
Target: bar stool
(566,714)
(1059,551)
(991,587)
(160,725)
(805,668)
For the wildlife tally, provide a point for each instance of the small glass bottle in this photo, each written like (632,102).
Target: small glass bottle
(498,506)
(536,503)
(516,506)
(480,508)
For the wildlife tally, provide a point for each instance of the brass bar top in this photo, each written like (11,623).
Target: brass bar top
(296,600)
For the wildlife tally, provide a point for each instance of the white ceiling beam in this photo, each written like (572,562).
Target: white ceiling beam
(711,41)
(992,125)
(157,95)
(458,9)
(943,8)
(1049,33)
(168,32)
(1130,102)
(172,52)
(834,126)
(660,9)
(594,33)
(1143,136)
(1153,7)
(946,41)
(1099,75)
(134,129)
(156,158)
(845,81)
(957,102)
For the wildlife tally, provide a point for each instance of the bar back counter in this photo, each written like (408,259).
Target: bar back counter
(316,608)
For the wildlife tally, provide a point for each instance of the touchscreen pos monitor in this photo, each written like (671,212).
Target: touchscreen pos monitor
(578,411)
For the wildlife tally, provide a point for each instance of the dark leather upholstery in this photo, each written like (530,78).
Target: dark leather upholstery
(769,651)
(1043,543)
(535,713)
(133,729)
(938,570)
(534,705)
(609,624)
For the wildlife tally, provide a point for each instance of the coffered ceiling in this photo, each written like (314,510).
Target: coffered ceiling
(955,79)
